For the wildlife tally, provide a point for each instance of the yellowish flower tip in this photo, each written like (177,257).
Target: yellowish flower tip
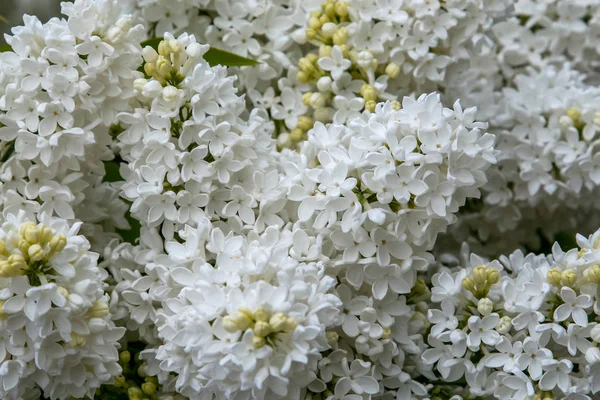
(370,105)
(149,388)
(262,328)
(134,393)
(340,37)
(581,253)
(306,98)
(306,65)
(392,70)
(45,234)
(554,276)
(62,291)
(325,51)
(261,314)
(124,357)
(341,9)
(492,276)
(396,105)
(574,113)
(258,341)
(35,252)
(592,274)
(468,284)
(314,23)
(569,277)
(297,135)
(480,274)
(98,310)
(120,381)
(387,333)
(57,244)
(303,77)
(77,340)
(317,100)
(304,123)
(311,34)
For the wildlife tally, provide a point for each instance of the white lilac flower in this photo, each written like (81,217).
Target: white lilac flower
(55,309)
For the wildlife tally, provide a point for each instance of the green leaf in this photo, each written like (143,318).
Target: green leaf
(4,48)
(216,56)
(113,175)
(566,241)
(213,56)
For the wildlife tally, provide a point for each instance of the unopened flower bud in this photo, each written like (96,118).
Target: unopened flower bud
(396,105)
(485,306)
(324,84)
(569,277)
(57,244)
(592,274)
(306,65)
(504,325)
(261,314)
(341,9)
(492,276)
(392,70)
(332,337)
(565,122)
(592,355)
(318,100)
(468,284)
(163,66)
(62,291)
(134,392)
(340,36)
(314,23)
(258,341)
(149,388)
(554,276)
(98,310)
(170,94)
(296,135)
(150,55)
(31,234)
(322,114)
(163,48)
(325,51)
(35,252)
(45,234)
(480,274)
(574,113)
(124,357)
(262,328)
(77,340)
(139,84)
(328,29)
(284,140)
(304,123)
(311,34)
(370,105)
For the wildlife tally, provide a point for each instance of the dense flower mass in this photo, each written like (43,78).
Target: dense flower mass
(276,199)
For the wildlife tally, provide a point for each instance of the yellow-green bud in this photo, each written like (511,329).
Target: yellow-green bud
(2,246)
(30,233)
(480,274)
(163,66)
(149,388)
(98,310)
(306,98)
(261,314)
(325,51)
(77,340)
(370,105)
(304,123)
(468,284)
(134,391)
(125,357)
(57,244)
(311,34)
(45,234)
(296,135)
(396,105)
(306,65)
(318,100)
(574,113)
(163,48)
(150,69)
(324,19)
(314,23)
(569,277)
(120,381)
(278,322)
(24,245)
(262,328)
(290,324)
(492,276)
(258,341)
(62,291)
(25,226)
(341,9)
(330,10)
(303,77)
(554,276)
(392,70)
(332,337)
(35,252)
(340,36)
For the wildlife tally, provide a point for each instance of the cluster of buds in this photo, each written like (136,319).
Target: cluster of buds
(481,280)
(265,325)
(167,67)
(35,246)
